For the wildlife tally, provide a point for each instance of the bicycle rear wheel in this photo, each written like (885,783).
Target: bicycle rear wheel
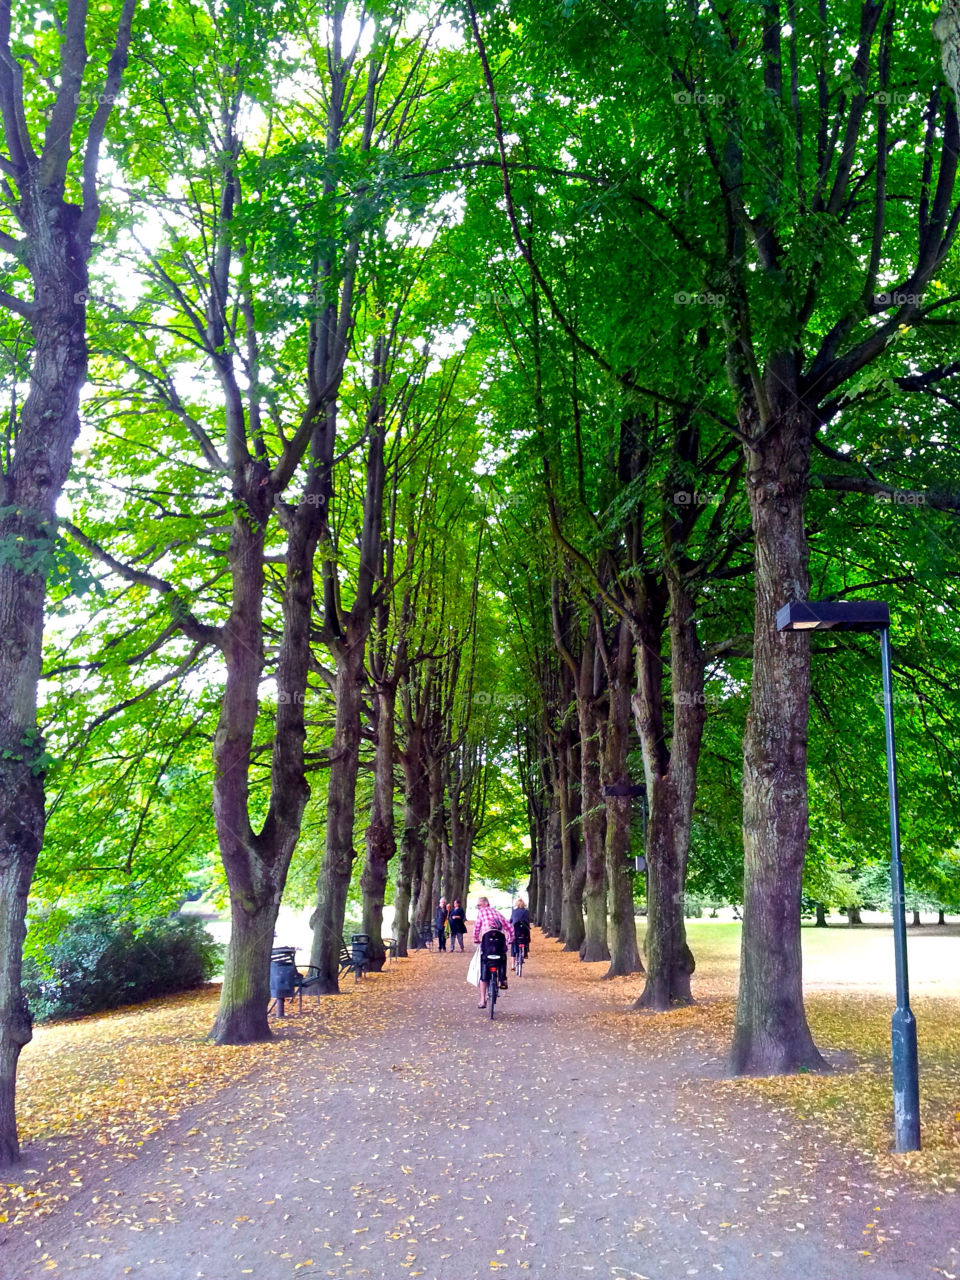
(518,967)
(492,991)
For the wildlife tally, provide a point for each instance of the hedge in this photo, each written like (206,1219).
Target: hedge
(99,962)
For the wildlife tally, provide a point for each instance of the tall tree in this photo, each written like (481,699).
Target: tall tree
(50,213)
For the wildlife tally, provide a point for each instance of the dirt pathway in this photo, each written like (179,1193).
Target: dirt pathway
(438,1144)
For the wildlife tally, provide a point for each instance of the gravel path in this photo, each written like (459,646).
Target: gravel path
(435,1143)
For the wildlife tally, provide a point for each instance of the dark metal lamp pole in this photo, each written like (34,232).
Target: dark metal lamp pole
(874,615)
(906,1071)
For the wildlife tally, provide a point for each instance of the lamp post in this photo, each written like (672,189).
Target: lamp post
(874,615)
(633,789)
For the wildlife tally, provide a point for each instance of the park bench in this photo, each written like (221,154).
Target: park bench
(355,956)
(425,936)
(286,980)
(391,948)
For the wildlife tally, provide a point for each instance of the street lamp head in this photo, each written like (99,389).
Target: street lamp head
(833,615)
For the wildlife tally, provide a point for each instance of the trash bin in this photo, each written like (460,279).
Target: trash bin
(360,951)
(283,979)
(283,976)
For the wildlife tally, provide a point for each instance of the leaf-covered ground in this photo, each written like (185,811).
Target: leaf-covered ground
(849,1004)
(395,1131)
(111,1080)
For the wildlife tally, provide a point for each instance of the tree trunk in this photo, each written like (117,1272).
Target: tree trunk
(333,883)
(416,809)
(572,867)
(941,917)
(15,875)
(245,994)
(552,875)
(669,960)
(460,792)
(853,915)
(55,245)
(916,922)
(771,1033)
(592,823)
(256,865)
(380,839)
(624,952)
(821,916)
(433,847)
(533,886)
(452,866)
(538,845)
(671,788)
(28,495)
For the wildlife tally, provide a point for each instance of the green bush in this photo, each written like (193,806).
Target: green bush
(98,962)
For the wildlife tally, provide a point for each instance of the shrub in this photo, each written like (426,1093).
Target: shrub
(98,962)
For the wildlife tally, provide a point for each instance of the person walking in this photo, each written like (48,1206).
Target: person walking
(457,922)
(440,923)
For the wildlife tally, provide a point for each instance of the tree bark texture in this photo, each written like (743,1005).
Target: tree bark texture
(55,246)
(574,867)
(433,848)
(416,814)
(29,491)
(624,952)
(256,864)
(771,1033)
(552,874)
(333,882)
(380,838)
(671,776)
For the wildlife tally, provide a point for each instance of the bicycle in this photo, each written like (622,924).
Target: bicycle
(494,954)
(493,984)
(520,945)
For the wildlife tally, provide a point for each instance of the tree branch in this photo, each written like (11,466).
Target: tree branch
(180,611)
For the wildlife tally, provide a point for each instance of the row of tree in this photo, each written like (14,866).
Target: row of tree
(462,393)
(731,313)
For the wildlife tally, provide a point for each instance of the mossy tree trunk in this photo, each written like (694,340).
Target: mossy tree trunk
(53,242)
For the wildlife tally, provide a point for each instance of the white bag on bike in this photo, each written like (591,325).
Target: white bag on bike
(473,972)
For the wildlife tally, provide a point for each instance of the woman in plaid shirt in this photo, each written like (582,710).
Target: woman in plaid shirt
(490,918)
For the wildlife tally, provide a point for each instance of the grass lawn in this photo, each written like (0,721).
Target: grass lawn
(849,986)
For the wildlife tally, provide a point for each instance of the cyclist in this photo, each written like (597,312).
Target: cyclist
(520,919)
(489,919)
